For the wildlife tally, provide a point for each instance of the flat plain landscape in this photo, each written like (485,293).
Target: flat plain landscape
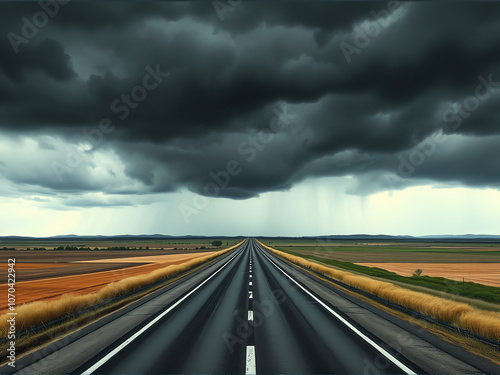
(443,265)
(48,274)
(482,273)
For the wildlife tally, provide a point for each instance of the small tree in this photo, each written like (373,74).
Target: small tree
(417,272)
(216,243)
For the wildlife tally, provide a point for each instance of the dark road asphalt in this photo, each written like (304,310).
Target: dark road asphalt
(249,317)
(250,312)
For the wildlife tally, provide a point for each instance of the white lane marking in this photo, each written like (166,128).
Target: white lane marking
(384,352)
(115,351)
(251,365)
(250,283)
(250,275)
(250,315)
(250,295)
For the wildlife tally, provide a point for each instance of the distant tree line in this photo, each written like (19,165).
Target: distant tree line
(68,247)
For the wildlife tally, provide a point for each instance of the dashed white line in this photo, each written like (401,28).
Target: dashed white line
(250,295)
(250,315)
(251,365)
(250,283)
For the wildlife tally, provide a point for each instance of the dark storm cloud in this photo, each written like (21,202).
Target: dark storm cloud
(226,79)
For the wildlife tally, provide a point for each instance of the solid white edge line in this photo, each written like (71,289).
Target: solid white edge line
(250,315)
(384,352)
(115,351)
(251,368)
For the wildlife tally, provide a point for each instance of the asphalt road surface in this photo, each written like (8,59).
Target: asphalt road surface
(252,313)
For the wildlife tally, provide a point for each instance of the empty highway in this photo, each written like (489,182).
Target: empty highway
(251,313)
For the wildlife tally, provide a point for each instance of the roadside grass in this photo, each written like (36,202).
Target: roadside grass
(484,323)
(465,289)
(33,341)
(448,294)
(35,313)
(453,337)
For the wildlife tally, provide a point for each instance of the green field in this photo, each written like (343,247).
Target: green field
(342,256)
(395,252)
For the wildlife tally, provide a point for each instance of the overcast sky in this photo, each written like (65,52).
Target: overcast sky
(251,118)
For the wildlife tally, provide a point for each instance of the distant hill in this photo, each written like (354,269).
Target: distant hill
(467,238)
(483,238)
(364,237)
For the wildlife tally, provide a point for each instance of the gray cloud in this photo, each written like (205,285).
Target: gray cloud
(226,79)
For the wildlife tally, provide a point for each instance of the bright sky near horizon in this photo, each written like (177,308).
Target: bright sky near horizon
(313,207)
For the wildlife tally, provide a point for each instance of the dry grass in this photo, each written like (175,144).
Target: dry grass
(35,313)
(484,323)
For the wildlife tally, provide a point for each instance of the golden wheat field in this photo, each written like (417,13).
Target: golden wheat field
(49,288)
(35,312)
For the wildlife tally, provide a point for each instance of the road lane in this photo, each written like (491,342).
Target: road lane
(297,335)
(191,338)
(249,318)
(246,315)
